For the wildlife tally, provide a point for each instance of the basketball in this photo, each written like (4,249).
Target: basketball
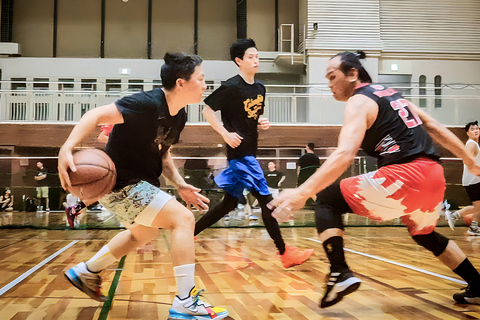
(95,175)
(468,219)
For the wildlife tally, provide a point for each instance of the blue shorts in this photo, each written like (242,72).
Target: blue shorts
(243,173)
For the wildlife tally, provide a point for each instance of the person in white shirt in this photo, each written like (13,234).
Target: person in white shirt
(471,183)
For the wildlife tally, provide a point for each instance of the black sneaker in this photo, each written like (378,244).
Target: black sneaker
(339,285)
(469,296)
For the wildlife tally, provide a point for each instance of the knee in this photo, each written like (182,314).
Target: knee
(184,218)
(434,242)
(326,218)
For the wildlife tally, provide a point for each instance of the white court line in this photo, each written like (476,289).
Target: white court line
(399,264)
(32,270)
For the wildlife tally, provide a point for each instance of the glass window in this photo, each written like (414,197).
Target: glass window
(438,91)
(135,85)
(114,85)
(422,83)
(65,84)
(40,83)
(19,83)
(89,85)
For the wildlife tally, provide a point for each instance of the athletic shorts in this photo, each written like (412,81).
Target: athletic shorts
(243,173)
(136,204)
(42,192)
(473,191)
(413,191)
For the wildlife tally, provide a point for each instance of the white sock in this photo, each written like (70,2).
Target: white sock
(456,215)
(185,276)
(101,260)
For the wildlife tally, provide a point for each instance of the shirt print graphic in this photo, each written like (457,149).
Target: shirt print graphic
(254,107)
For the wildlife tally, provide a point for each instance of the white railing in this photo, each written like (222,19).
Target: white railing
(310,104)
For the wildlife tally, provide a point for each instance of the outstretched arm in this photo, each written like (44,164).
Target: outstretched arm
(233,139)
(446,138)
(359,115)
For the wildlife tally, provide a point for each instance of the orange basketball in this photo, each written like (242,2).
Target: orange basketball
(95,175)
(468,219)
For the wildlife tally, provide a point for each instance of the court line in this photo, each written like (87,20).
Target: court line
(111,292)
(400,264)
(32,270)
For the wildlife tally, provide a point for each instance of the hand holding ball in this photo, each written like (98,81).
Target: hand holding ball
(95,175)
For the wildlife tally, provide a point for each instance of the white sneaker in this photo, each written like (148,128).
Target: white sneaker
(193,308)
(473,230)
(451,218)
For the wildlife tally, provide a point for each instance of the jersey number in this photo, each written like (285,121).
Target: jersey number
(410,118)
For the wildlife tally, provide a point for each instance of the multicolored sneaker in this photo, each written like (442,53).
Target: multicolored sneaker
(194,308)
(294,256)
(86,281)
(339,285)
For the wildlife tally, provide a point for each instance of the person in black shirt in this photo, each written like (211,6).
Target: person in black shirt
(409,183)
(241,100)
(307,164)
(146,125)
(42,186)
(274,178)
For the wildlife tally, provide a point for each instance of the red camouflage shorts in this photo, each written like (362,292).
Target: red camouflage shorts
(413,191)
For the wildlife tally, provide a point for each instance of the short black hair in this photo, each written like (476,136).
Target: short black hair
(468,125)
(311,145)
(351,60)
(238,48)
(178,65)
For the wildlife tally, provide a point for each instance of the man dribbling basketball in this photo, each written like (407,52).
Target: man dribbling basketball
(146,125)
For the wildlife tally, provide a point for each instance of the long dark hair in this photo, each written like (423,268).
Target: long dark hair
(351,60)
(178,65)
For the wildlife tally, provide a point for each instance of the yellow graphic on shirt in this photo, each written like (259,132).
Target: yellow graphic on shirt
(254,107)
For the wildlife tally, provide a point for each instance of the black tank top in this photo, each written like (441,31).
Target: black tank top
(397,135)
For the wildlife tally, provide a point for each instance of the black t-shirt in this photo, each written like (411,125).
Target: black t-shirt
(273,178)
(43,182)
(138,145)
(397,134)
(308,164)
(240,104)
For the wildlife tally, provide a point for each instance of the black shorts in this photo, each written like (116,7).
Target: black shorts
(473,191)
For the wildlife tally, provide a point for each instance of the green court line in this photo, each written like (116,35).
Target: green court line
(111,292)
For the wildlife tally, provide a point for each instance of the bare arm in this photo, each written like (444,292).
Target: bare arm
(40,177)
(446,138)
(170,171)
(359,115)
(190,194)
(472,149)
(233,139)
(88,123)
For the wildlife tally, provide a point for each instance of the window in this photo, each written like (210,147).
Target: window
(157,84)
(40,83)
(89,85)
(65,84)
(422,82)
(438,91)
(210,85)
(114,85)
(135,85)
(19,83)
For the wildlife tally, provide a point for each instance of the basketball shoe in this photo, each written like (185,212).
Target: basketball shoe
(469,296)
(294,256)
(473,230)
(451,218)
(194,308)
(339,285)
(86,281)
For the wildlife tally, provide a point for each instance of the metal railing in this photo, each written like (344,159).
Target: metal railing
(308,104)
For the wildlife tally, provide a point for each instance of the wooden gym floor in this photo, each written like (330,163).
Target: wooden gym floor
(239,270)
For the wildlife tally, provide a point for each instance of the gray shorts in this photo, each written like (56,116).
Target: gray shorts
(136,204)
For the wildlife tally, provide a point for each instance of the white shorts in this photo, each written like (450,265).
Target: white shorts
(136,204)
